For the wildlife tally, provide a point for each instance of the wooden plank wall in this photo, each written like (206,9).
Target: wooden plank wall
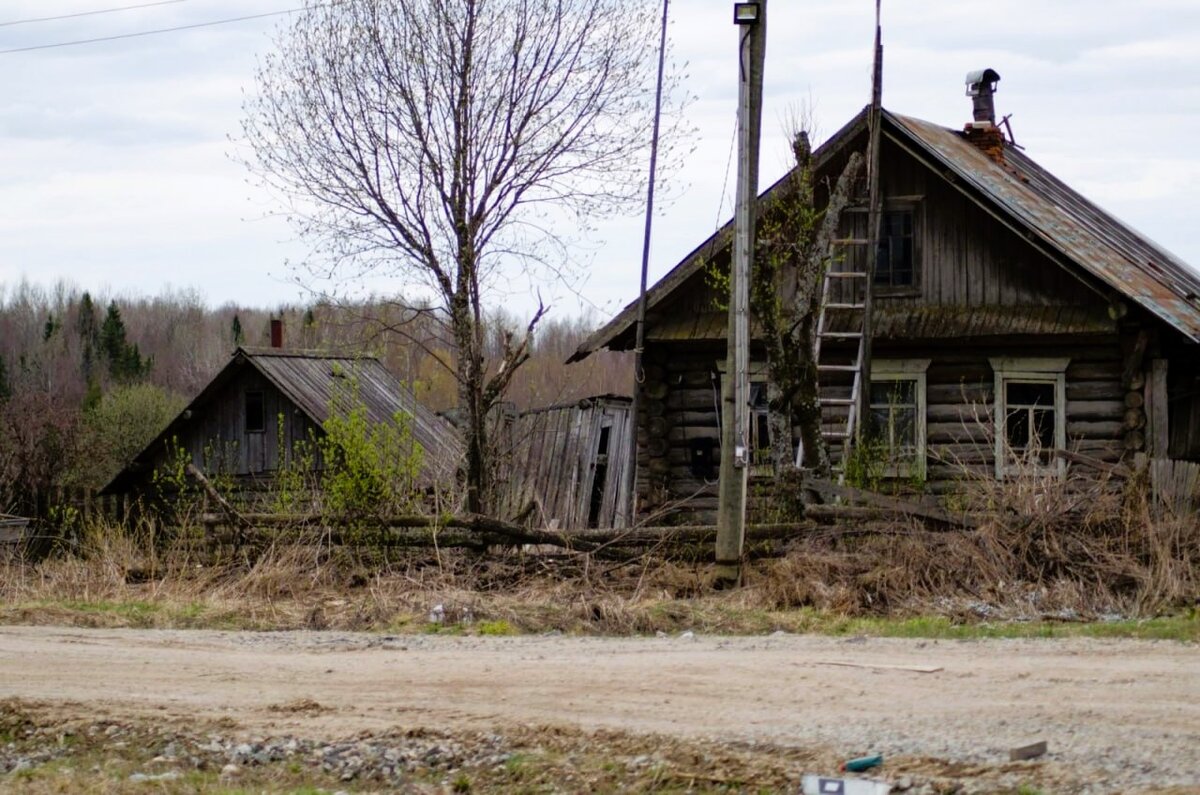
(218,441)
(552,458)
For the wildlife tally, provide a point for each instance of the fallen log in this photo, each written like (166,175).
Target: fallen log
(484,531)
(894,505)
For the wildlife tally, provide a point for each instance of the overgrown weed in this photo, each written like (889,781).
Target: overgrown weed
(1054,557)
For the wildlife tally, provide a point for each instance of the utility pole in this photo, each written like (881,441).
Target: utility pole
(751,20)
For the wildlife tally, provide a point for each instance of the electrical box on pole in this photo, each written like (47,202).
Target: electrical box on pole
(751,21)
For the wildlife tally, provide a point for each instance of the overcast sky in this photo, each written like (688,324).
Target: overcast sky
(115,169)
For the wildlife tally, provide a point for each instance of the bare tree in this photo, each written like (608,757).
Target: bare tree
(447,143)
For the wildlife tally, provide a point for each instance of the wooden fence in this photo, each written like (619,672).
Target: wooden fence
(1175,484)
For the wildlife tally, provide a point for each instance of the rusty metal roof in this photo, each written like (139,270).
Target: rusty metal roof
(1048,212)
(1058,216)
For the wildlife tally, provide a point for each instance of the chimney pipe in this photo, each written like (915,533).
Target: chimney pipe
(981,87)
(276,333)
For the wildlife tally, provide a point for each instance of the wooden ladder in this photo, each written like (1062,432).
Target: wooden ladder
(849,303)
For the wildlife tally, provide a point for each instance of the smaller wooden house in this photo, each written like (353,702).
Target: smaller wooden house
(571,459)
(265,402)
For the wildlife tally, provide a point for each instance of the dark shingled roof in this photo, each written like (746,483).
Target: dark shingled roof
(1024,196)
(309,380)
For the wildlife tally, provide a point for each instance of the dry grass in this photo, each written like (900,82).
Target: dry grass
(1056,551)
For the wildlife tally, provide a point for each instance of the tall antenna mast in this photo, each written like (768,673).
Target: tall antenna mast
(628,506)
(875,218)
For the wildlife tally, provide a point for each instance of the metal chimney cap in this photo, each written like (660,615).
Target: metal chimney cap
(977,79)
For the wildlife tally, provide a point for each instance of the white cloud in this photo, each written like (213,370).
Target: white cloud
(114,161)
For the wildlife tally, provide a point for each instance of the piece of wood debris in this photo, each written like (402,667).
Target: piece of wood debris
(1031,751)
(920,669)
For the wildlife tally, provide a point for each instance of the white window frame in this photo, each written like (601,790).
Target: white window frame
(1038,370)
(914,370)
(756,373)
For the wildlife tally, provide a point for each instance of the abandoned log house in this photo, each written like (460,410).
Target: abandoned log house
(1010,318)
(268,402)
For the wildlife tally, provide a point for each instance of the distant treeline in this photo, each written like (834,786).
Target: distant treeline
(88,378)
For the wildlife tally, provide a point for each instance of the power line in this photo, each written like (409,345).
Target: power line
(149,32)
(88,13)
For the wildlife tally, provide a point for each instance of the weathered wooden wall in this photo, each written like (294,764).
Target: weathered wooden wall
(217,440)
(571,460)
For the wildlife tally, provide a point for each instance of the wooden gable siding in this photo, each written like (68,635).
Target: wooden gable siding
(966,258)
(217,440)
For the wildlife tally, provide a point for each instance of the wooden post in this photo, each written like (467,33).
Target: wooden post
(874,220)
(735,389)
(1156,404)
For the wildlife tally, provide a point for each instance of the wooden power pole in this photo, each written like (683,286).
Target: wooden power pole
(751,19)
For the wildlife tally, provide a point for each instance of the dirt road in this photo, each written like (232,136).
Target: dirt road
(1118,715)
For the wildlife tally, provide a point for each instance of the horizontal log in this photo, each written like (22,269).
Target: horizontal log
(1134,400)
(1106,429)
(942,432)
(963,453)
(658,426)
(901,507)
(483,525)
(1095,390)
(1094,409)
(959,392)
(699,419)
(1090,462)
(681,436)
(655,390)
(1094,371)
(959,413)
(691,399)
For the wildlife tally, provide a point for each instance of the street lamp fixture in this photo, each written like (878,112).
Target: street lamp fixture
(746,13)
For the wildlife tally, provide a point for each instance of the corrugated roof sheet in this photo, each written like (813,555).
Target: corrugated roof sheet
(311,381)
(1049,211)
(1100,244)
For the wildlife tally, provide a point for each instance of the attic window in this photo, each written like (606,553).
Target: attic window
(895,260)
(256,416)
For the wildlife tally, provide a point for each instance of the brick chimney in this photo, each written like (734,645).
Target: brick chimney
(276,332)
(983,132)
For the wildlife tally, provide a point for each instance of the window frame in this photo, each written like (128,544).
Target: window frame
(1031,370)
(262,402)
(884,370)
(913,207)
(756,374)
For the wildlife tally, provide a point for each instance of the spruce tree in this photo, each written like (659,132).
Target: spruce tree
(236,331)
(5,386)
(89,334)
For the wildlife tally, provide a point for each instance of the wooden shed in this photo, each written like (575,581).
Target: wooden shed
(570,459)
(247,421)
(1009,313)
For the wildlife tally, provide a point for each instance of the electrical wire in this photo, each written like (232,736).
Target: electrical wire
(140,33)
(88,13)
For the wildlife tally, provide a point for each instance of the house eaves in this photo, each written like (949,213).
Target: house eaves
(1051,213)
